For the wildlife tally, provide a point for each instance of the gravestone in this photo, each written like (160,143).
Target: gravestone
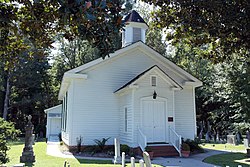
(246,143)
(132,161)
(28,154)
(123,159)
(231,139)
(248,136)
(141,162)
(147,160)
(117,157)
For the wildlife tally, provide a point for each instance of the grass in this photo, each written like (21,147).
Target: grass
(227,159)
(222,147)
(44,160)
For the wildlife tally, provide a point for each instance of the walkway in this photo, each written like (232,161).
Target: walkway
(192,161)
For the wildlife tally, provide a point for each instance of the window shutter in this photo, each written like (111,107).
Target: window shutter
(136,34)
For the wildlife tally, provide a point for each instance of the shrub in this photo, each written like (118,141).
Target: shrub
(125,148)
(148,149)
(101,144)
(7,131)
(79,143)
(194,145)
(185,147)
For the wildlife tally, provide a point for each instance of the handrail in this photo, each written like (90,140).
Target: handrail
(175,140)
(142,140)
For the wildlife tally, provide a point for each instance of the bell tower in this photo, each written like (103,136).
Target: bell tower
(135,29)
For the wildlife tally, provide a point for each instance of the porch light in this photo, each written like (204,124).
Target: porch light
(154,95)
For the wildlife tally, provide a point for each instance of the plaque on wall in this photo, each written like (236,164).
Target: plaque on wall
(170,119)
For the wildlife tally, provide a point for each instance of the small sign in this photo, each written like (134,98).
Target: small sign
(170,119)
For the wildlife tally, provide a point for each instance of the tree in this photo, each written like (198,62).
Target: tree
(221,27)
(30,93)
(71,54)
(154,36)
(39,21)
(8,131)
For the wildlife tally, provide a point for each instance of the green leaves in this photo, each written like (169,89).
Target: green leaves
(204,22)
(7,131)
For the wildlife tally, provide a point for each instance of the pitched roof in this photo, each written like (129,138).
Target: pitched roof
(146,71)
(140,45)
(134,17)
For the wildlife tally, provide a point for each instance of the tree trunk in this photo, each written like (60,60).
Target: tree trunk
(6,99)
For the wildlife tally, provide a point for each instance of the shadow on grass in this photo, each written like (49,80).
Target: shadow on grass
(16,142)
(228,159)
(21,141)
(29,164)
(86,161)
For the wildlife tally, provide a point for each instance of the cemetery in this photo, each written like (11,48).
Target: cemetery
(124,83)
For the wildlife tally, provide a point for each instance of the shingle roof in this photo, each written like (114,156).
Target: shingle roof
(134,17)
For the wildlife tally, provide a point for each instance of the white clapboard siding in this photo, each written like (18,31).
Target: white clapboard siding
(125,101)
(184,113)
(94,108)
(68,131)
(146,90)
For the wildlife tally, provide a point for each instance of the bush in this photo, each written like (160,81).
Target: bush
(79,144)
(7,131)
(125,148)
(194,145)
(185,147)
(101,144)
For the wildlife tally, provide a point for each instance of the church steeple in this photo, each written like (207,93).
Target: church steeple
(135,29)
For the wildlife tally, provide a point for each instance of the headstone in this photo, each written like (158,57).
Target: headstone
(231,139)
(141,162)
(248,136)
(238,138)
(132,159)
(117,157)
(207,137)
(28,154)
(246,143)
(123,159)
(147,160)
(217,137)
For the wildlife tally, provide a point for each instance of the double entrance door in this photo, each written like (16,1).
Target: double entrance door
(154,120)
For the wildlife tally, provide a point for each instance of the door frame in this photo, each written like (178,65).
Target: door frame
(165,112)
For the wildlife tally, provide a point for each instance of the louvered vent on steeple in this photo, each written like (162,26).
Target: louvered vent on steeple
(135,29)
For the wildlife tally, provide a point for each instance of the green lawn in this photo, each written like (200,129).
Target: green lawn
(43,160)
(227,159)
(229,147)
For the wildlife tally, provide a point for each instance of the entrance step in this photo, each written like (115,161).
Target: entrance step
(163,150)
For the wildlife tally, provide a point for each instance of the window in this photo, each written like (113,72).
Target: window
(136,34)
(153,80)
(125,119)
(54,114)
(64,111)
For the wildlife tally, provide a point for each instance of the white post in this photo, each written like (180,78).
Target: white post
(123,159)
(141,162)
(132,161)
(147,159)
(117,157)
